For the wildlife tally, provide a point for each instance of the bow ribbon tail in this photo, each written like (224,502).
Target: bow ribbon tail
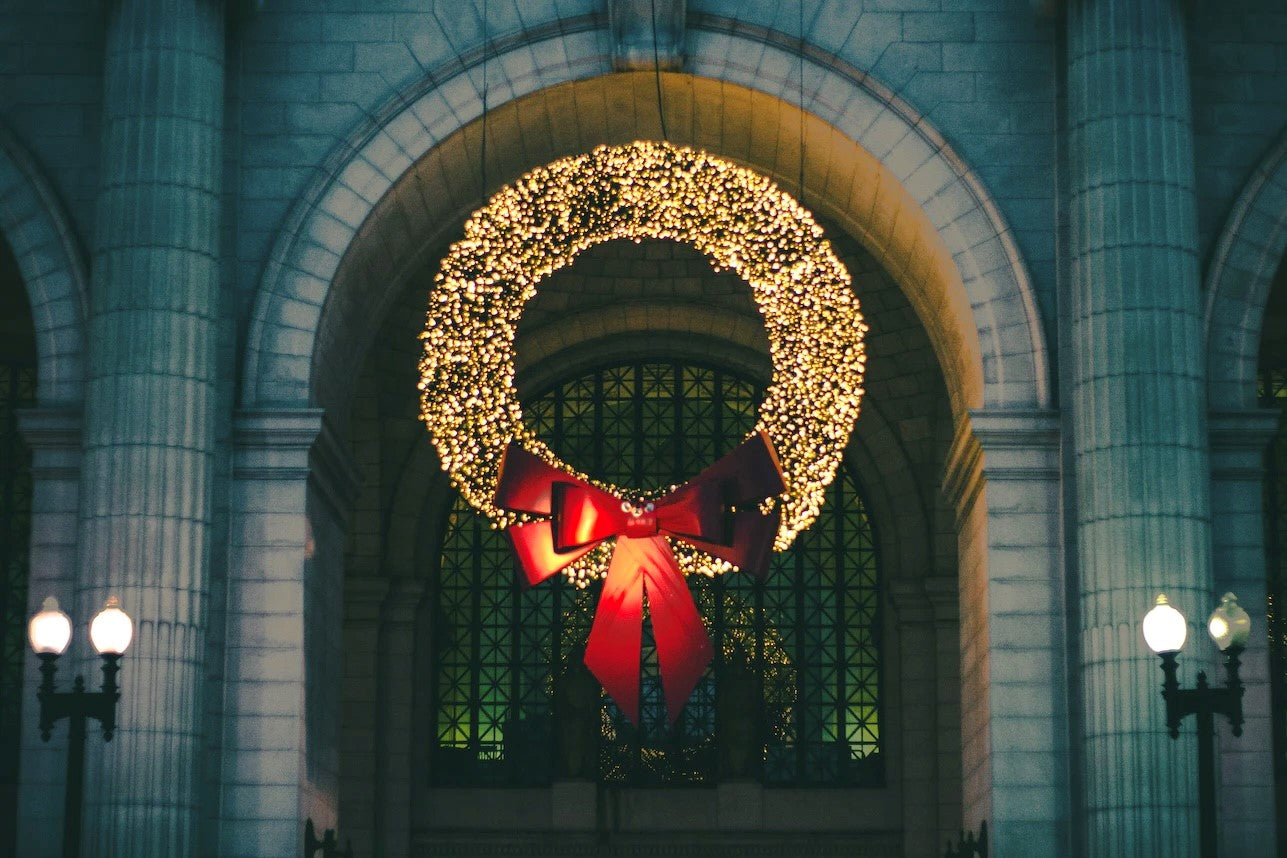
(683,647)
(613,649)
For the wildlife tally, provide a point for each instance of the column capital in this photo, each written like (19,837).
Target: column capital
(1238,440)
(273,444)
(925,600)
(294,444)
(991,444)
(54,436)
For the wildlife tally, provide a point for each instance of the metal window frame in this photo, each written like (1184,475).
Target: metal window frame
(811,768)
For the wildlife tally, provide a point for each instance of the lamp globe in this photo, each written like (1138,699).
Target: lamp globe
(1164,627)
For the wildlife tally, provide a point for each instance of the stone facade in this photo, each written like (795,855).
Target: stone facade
(1063,221)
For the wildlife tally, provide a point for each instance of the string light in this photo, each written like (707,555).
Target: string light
(741,221)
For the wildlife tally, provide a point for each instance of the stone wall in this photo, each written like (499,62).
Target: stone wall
(937,144)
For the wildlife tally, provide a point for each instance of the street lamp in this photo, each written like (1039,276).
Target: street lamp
(1164,631)
(50,632)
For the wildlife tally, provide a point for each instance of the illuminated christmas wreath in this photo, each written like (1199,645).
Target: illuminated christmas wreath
(729,516)
(739,219)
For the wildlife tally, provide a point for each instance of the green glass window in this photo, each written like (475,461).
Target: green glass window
(793,695)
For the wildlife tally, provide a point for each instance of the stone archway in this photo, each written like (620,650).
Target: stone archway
(394,191)
(1251,249)
(53,272)
(921,643)
(885,174)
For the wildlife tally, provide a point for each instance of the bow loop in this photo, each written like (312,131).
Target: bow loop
(584,515)
(696,510)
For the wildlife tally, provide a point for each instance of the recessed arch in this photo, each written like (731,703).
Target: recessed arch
(53,272)
(1251,247)
(873,165)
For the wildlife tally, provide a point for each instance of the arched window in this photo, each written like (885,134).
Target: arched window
(793,695)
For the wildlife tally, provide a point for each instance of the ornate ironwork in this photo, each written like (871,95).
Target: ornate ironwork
(970,846)
(797,667)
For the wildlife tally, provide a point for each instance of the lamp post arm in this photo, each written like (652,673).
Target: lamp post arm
(1182,702)
(50,700)
(103,706)
(1230,700)
(78,703)
(1177,701)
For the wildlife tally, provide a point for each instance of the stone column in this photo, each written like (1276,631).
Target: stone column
(54,436)
(1003,477)
(917,699)
(1137,410)
(395,775)
(149,404)
(1238,442)
(360,705)
(292,485)
(944,598)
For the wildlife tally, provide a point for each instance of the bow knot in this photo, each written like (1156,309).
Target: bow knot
(717,512)
(641,524)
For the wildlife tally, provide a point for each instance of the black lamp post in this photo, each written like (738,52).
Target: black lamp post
(1165,630)
(50,632)
(329,845)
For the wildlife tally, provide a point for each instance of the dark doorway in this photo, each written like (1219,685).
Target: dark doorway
(1273,394)
(17,390)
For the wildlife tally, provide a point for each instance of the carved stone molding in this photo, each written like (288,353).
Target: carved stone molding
(1000,444)
(1238,440)
(295,444)
(641,41)
(54,436)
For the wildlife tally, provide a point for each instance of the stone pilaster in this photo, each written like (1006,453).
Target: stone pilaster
(944,598)
(149,402)
(916,646)
(1238,442)
(360,705)
(54,436)
(395,776)
(1137,404)
(1003,477)
(291,487)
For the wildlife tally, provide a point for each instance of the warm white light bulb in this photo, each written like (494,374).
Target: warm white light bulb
(1229,624)
(50,630)
(112,630)
(1164,627)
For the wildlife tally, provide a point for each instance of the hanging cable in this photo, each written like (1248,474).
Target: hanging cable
(656,70)
(482,167)
(800,7)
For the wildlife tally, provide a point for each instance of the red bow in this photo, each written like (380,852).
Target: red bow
(717,511)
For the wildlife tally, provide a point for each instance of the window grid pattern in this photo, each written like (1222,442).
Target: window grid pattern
(803,644)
